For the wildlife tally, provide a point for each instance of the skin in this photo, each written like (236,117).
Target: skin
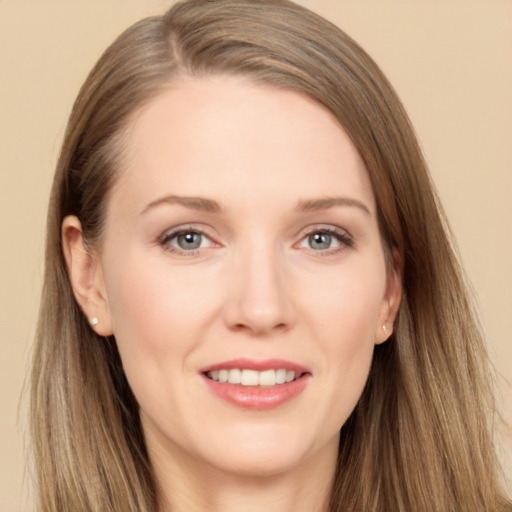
(258,287)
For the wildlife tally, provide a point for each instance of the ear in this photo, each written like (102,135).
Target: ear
(85,276)
(391,300)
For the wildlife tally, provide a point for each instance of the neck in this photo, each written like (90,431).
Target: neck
(191,486)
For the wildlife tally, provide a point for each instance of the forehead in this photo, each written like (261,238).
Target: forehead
(219,135)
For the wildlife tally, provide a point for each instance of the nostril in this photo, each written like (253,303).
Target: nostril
(253,309)
(259,329)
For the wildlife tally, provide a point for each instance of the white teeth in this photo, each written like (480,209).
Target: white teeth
(280,376)
(235,376)
(249,378)
(267,378)
(253,377)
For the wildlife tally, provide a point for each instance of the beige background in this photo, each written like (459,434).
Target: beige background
(450,61)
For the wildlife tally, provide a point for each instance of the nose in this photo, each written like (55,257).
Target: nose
(259,299)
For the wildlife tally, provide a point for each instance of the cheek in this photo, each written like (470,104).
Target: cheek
(350,305)
(155,315)
(159,316)
(349,316)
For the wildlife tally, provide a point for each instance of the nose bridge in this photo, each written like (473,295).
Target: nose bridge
(259,299)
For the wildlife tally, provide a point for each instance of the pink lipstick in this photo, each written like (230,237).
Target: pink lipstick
(258,385)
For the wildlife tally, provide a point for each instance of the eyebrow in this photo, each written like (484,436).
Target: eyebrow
(314,205)
(195,203)
(210,206)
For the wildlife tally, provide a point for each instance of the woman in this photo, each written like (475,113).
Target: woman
(251,301)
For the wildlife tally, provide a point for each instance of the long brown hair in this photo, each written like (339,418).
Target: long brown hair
(420,438)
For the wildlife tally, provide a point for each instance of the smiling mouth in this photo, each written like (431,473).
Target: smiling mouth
(256,384)
(254,378)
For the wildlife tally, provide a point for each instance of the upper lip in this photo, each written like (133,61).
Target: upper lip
(252,364)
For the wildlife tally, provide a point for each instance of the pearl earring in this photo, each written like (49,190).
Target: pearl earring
(93,321)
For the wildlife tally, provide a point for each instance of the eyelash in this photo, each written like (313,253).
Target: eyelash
(345,240)
(166,237)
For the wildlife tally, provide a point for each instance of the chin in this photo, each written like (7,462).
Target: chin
(258,465)
(264,453)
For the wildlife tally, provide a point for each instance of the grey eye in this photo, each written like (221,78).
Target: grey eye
(189,241)
(320,241)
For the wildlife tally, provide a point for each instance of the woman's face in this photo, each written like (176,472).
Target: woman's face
(241,243)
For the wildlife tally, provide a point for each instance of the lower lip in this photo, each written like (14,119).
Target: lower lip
(258,398)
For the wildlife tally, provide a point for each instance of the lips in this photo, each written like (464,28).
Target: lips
(258,385)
